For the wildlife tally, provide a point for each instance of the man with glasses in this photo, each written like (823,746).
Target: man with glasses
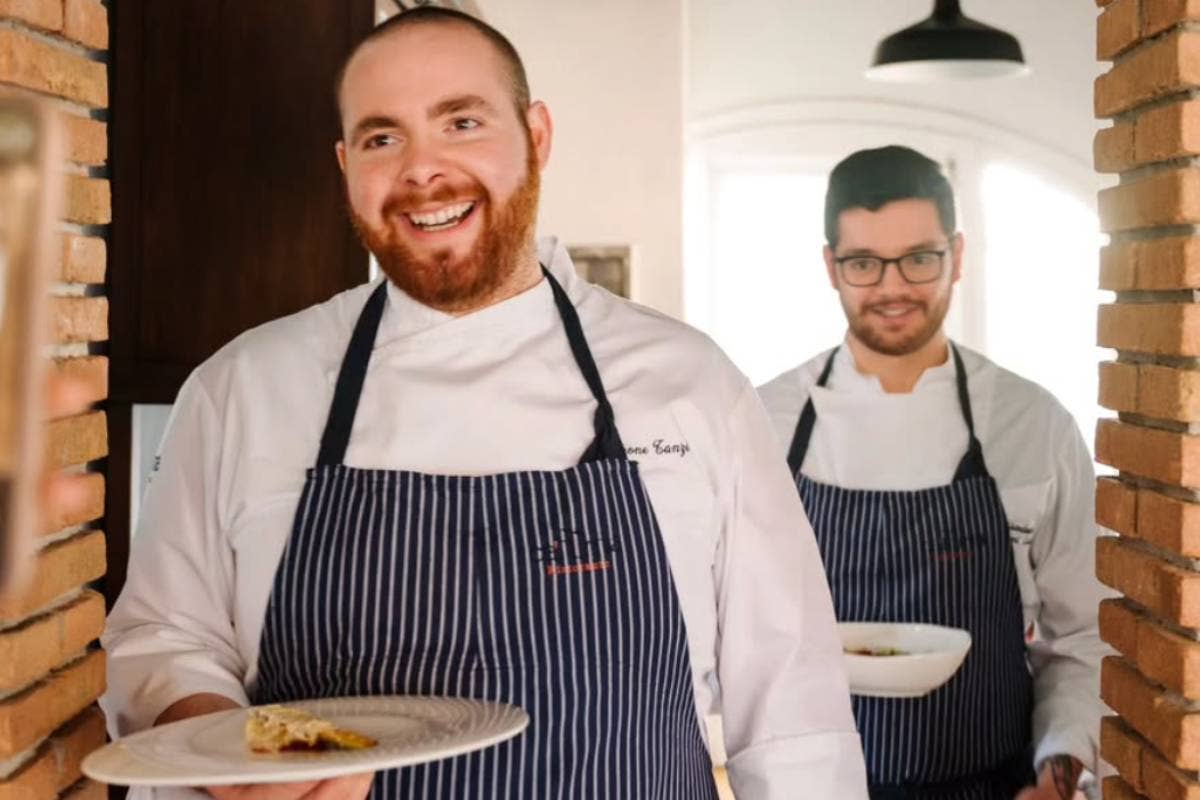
(944,489)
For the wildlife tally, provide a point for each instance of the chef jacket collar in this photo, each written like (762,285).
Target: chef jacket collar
(846,377)
(406,318)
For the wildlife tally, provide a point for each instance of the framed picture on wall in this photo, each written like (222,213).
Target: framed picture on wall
(606,266)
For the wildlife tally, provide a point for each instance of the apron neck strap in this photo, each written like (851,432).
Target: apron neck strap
(607,442)
(350,379)
(336,438)
(972,463)
(808,418)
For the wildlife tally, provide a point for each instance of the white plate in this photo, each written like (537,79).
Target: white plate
(932,654)
(211,750)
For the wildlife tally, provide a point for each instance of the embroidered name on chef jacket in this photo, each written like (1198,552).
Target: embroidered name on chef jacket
(659,447)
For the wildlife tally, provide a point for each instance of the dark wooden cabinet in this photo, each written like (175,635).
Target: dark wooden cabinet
(228,206)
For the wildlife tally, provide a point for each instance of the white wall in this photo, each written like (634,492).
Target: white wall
(755,52)
(612,75)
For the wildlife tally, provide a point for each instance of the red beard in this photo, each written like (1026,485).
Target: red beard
(441,281)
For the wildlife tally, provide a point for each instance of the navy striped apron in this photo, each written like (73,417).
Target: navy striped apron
(550,590)
(941,556)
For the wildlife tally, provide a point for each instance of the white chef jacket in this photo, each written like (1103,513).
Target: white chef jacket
(865,438)
(495,391)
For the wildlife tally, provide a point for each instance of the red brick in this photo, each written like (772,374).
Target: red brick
(76,440)
(59,569)
(31,716)
(86,22)
(1123,748)
(58,762)
(80,319)
(92,508)
(1116,789)
(31,64)
(83,259)
(1151,390)
(1163,67)
(1149,452)
(1168,393)
(1168,658)
(38,646)
(86,140)
(1170,592)
(1118,266)
(1163,721)
(1158,328)
(1172,131)
(1118,386)
(1165,198)
(1118,28)
(1165,782)
(1153,265)
(1169,523)
(1169,263)
(90,371)
(1116,506)
(1159,15)
(88,201)
(44,14)
(1119,626)
(1113,148)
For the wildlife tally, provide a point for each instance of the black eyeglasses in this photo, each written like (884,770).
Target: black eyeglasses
(920,266)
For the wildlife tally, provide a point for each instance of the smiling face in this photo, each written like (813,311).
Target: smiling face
(442,171)
(895,317)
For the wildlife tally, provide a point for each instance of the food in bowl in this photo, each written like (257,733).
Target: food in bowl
(875,651)
(275,729)
(901,659)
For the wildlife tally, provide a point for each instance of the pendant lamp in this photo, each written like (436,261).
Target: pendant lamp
(947,46)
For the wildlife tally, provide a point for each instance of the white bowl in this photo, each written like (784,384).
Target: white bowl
(929,656)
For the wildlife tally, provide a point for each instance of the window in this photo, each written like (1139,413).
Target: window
(1040,276)
(770,304)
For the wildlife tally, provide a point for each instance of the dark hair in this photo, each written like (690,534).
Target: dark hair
(432,15)
(871,179)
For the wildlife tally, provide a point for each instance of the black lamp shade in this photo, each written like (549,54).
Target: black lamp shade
(947,45)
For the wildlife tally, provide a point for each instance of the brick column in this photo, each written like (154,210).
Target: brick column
(51,671)
(1153,264)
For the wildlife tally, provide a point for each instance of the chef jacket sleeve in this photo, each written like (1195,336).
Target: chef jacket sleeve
(170,633)
(789,731)
(1065,656)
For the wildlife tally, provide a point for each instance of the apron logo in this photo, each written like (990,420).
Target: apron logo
(570,553)
(660,447)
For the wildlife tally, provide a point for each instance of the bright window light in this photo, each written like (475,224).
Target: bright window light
(1040,286)
(770,303)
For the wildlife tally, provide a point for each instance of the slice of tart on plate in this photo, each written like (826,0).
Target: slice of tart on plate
(275,729)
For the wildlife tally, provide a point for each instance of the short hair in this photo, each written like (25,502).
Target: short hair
(871,179)
(433,15)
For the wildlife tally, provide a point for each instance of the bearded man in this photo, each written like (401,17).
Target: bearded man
(944,489)
(424,486)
